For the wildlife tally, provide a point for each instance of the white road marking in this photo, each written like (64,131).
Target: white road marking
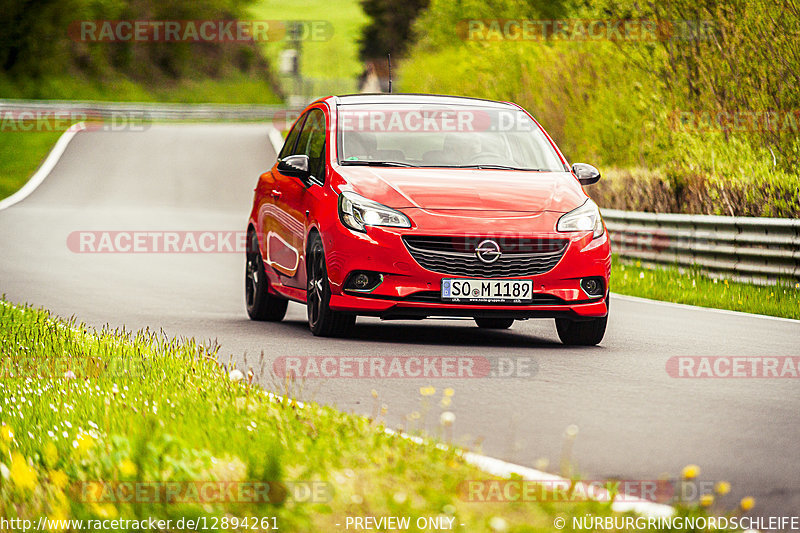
(44,170)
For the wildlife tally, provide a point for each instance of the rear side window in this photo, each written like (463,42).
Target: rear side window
(312,143)
(291,139)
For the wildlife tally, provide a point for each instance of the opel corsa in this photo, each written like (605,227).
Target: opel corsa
(412,206)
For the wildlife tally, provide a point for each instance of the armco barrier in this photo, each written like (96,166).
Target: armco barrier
(742,247)
(151,111)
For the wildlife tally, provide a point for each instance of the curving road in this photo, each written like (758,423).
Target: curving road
(635,421)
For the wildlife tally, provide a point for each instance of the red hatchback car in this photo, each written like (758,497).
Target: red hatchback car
(408,206)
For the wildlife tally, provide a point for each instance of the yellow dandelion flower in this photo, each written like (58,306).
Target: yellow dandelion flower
(106,510)
(374,393)
(6,434)
(56,519)
(722,488)
(50,454)
(449,392)
(85,442)
(747,503)
(127,468)
(690,471)
(427,391)
(21,474)
(58,478)
(706,500)
(445,401)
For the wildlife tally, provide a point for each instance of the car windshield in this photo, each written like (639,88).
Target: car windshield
(443,136)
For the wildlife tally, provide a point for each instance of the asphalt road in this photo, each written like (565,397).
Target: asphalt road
(634,420)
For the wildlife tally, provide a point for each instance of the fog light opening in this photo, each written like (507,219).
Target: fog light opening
(593,286)
(363,281)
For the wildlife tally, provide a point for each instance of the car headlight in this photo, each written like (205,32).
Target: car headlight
(584,218)
(357,212)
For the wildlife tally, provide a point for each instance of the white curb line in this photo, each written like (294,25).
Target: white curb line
(44,170)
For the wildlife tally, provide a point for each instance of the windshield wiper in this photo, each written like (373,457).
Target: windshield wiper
(363,163)
(495,167)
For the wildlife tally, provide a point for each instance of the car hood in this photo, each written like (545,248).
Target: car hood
(438,189)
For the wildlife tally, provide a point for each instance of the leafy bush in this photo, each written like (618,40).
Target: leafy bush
(621,105)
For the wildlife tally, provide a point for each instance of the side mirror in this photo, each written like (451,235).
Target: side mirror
(295,165)
(586,174)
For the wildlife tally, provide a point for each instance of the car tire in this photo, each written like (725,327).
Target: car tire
(260,304)
(322,321)
(494,323)
(581,332)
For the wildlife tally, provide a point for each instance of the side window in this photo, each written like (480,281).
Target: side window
(312,143)
(291,139)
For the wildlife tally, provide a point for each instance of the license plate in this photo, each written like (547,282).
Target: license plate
(487,290)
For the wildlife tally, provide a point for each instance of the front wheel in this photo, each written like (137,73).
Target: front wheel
(260,304)
(323,321)
(581,332)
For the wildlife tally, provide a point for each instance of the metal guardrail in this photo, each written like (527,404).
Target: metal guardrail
(154,111)
(742,247)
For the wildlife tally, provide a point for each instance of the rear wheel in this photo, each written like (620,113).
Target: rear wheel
(323,321)
(581,332)
(260,304)
(494,323)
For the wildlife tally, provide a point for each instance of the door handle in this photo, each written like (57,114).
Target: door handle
(275,193)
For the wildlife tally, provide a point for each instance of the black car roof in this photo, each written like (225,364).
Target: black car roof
(411,98)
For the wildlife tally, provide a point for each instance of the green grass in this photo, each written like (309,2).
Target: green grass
(20,155)
(335,60)
(231,90)
(689,286)
(112,406)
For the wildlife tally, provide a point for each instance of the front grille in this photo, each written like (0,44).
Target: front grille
(455,256)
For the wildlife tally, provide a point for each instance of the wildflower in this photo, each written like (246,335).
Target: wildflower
(83,442)
(58,518)
(706,500)
(747,503)
(21,473)
(50,454)
(374,393)
(722,488)
(445,401)
(641,275)
(127,468)
(571,431)
(447,418)
(69,374)
(236,375)
(6,434)
(449,392)
(497,523)
(58,478)
(105,511)
(690,471)
(427,391)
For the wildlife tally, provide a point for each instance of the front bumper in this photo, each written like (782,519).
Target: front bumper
(410,291)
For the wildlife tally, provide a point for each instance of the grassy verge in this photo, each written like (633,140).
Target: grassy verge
(689,286)
(20,155)
(82,407)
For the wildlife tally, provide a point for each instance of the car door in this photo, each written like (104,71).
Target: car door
(280,258)
(295,198)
